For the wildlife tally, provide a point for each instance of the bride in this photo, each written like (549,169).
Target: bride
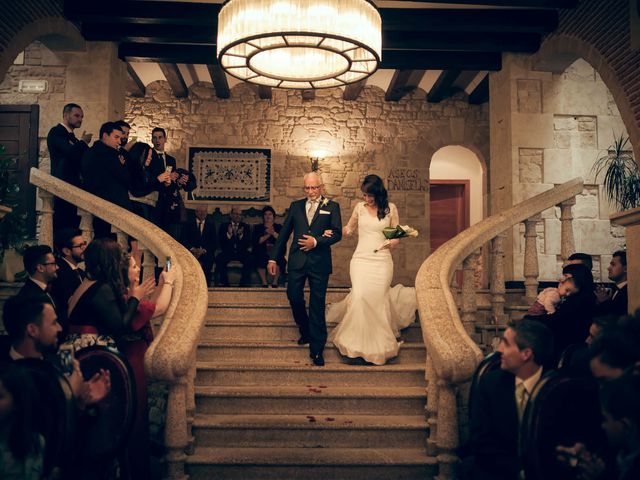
(372,315)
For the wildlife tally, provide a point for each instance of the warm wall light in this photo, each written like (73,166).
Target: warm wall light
(316,156)
(299,43)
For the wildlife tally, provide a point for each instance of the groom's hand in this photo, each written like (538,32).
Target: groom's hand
(272,268)
(306,243)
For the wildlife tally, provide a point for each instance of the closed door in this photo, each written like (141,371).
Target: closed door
(449,209)
(19,136)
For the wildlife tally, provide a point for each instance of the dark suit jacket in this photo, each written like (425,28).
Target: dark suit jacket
(32,289)
(319,258)
(616,306)
(105,176)
(63,287)
(169,195)
(494,428)
(234,246)
(192,238)
(66,153)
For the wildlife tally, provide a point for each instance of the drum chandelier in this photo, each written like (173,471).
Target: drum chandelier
(299,43)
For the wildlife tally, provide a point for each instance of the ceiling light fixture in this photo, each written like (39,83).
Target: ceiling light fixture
(299,43)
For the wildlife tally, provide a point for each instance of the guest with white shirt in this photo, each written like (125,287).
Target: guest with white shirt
(615,301)
(234,238)
(42,268)
(199,237)
(70,246)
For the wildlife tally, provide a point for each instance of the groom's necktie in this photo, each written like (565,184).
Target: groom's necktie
(311,210)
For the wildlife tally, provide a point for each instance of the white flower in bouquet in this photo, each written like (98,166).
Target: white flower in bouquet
(399,231)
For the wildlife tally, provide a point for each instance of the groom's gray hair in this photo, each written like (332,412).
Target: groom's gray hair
(311,175)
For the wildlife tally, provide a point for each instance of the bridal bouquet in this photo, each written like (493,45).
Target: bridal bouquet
(399,231)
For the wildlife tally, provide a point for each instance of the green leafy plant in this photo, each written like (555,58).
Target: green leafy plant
(13,231)
(621,174)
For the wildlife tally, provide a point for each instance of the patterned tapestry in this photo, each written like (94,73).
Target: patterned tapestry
(233,174)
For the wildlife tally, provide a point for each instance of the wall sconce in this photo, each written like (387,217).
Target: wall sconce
(315,158)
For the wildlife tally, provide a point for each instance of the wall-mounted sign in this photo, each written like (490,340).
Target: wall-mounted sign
(32,86)
(407,179)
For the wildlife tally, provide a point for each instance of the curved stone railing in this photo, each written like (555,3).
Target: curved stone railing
(452,354)
(171,356)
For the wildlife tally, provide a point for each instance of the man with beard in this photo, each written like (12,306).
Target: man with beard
(42,268)
(70,246)
(615,301)
(66,153)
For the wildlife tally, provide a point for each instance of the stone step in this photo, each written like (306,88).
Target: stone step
(310,431)
(279,330)
(271,352)
(264,296)
(311,463)
(309,399)
(334,374)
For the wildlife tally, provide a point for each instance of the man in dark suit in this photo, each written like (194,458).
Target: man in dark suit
(106,175)
(502,395)
(199,236)
(615,301)
(309,258)
(42,268)
(234,238)
(70,246)
(66,153)
(170,211)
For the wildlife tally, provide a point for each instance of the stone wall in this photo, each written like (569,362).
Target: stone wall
(361,137)
(557,125)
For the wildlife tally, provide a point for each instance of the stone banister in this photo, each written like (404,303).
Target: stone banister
(452,354)
(170,356)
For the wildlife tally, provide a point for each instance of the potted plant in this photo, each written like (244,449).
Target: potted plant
(621,180)
(12,223)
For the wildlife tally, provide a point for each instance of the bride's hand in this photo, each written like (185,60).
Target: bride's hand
(393,243)
(327,233)
(346,232)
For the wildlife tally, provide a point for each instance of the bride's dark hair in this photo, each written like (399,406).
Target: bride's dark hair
(372,185)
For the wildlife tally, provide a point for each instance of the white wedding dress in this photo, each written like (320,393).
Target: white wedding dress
(371,316)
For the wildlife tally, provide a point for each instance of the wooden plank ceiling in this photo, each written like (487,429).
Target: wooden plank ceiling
(444,47)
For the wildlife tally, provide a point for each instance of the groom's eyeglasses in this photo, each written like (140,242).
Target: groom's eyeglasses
(313,188)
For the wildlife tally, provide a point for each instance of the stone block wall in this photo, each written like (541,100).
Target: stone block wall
(370,135)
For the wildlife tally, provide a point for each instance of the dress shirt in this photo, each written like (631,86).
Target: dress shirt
(163,158)
(529,384)
(67,128)
(619,286)
(200,226)
(42,285)
(311,207)
(15,355)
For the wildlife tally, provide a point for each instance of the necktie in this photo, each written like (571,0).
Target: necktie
(200,226)
(311,209)
(164,161)
(80,273)
(520,400)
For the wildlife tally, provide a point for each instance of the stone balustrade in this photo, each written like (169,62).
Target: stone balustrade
(452,354)
(171,356)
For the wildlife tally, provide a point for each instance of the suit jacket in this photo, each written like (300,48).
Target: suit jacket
(234,246)
(494,428)
(105,176)
(192,238)
(63,287)
(32,289)
(66,153)
(170,206)
(617,306)
(318,259)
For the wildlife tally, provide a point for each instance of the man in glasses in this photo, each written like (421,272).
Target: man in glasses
(70,247)
(42,268)
(309,258)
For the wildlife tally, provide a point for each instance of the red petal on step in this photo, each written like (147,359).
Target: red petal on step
(323,386)
(348,421)
(329,419)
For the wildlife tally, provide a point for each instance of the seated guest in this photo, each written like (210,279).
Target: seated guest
(616,349)
(143,185)
(105,174)
(234,239)
(502,395)
(579,258)
(42,268)
(70,246)
(199,236)
(264,238)
(615,302)
(98,311)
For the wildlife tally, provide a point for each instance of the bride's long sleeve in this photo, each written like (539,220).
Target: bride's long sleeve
(393,212)
(352,224)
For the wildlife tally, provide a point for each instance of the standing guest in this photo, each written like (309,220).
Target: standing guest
(70,246)
(264,239)
(502,396)
(106,175)
(580,258)
(199,236)
(66,153)
(615,301)
(42,268)
(142,184)
(234,238)
(170,210)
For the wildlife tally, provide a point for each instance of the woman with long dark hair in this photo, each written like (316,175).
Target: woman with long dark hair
(372,314)
(143,185)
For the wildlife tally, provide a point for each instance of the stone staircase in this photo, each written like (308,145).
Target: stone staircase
(263,411)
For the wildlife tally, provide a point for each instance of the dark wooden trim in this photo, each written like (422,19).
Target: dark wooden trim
(167,53)
(461,41)
(442,88)
(174,77)
(507,3)
(352,91)
(480,94)
(219,79)
(403,83)
(151,33)
(416,60)
(467,196)
(264,92)
(141,89)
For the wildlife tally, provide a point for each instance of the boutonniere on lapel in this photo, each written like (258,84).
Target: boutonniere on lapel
(325,202)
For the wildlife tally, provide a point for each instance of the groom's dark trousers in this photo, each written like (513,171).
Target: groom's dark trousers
(313,265)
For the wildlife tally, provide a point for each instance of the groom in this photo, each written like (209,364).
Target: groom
(309,258)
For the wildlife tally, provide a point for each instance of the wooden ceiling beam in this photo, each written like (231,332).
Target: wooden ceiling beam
(442,88)
(481,93)
(148,33)
(141,90)
(403,83)
(462,41)
(219,79)
(167,53)
(507,3)
(352,91)
(174,77)
(264,92)
(439,60)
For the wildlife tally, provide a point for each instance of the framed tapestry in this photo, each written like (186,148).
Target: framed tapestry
(230,174)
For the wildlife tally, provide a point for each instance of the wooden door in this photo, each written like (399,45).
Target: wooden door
(19,136)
